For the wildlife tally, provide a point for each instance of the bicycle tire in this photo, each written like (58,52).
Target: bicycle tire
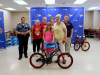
(87,48)
(75,47)
(65,67)
(35,65)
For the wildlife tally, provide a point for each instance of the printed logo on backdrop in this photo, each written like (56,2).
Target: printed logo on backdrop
(53,9)
(80,25)
(1,30)
(80,15)
(79,36)
(74,30)
(1,41)
(44,9)
(74,20)
(70,15)
(64,9)
(76,9)
(49,15)
(33,20)
(60,15)
(38,15)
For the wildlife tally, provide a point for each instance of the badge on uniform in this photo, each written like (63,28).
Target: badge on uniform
(68,24)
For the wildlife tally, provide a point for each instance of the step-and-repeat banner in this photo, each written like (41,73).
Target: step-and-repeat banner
(76,16)
(2,32)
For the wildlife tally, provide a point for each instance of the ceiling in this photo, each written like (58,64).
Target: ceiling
(41,3)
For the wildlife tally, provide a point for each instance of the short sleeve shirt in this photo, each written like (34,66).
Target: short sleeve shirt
(58,31)
(69,26)
(23,28)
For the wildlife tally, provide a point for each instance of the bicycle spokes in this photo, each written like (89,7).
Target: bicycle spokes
(37,60)
(85,46)
(65,60)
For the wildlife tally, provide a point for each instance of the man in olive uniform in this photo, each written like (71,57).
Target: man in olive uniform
(69,27)
(23,29)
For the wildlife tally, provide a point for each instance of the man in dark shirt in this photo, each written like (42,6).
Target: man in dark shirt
(69,27)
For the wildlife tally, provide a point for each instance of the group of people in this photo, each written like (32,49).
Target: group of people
(45,32)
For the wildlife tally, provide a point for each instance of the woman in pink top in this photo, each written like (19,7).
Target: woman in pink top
(48,36)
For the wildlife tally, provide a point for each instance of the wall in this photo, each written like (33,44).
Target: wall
(88,19)
(7,20)
(92,19)
(96,19)
(17,17)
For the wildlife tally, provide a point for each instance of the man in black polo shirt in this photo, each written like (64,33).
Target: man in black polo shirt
(69,27)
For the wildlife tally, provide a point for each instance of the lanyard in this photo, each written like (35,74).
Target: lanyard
(66,23)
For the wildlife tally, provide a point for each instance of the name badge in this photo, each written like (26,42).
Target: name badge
(37,34)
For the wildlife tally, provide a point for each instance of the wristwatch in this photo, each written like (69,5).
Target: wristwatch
(20,33)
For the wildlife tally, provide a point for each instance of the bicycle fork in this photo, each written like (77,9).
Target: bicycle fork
(62,56)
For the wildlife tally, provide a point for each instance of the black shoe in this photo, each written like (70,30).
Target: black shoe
(26,56)
(19,58)
(64,62)
(56,61)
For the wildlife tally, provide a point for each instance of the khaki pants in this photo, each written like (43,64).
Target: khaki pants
(67,45)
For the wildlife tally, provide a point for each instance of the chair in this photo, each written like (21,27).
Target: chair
(97,34)
(91,32)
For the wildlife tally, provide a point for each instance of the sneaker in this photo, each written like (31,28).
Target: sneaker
(56,61)
(64,62)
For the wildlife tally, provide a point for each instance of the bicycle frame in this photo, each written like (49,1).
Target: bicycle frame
(54,53)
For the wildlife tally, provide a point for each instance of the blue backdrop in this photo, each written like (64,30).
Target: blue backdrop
(76,16)
(2,32)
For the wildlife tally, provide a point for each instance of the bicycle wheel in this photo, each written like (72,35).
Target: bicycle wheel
(37,60)
(85,46)
(65,60)
(76,46)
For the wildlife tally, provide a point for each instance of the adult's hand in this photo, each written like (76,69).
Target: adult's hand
(22,33)
(65,40)
(26,33)
(71,37)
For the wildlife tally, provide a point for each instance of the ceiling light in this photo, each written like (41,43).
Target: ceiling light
(79,1)
(20,2)
(28,7)
(92,7)
(10,8)
(1,5)
(50,1)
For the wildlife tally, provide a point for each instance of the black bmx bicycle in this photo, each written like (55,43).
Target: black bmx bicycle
(64,60)
(83,44)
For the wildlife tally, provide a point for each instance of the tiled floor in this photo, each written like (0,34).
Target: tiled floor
(84,63)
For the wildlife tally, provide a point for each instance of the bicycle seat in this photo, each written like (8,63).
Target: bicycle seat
(57,43)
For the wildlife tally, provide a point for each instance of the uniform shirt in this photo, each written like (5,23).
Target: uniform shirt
(58,31)
(23,28)
(43,27)
(36,32)
(69,26)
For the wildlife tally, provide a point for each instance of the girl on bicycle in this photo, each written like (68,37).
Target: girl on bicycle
(48,36)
